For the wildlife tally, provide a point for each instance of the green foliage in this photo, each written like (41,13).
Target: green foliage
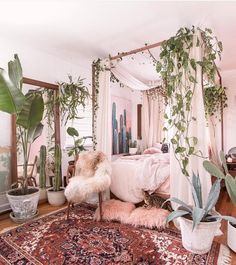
(179,72)
(78,142)
(133,144)
(198,213)
(230,181)
(28,109)
(215,100)
(42,168)
(57,177)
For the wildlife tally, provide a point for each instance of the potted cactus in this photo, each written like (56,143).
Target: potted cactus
(199,223)
(55,194)
(133,147)
(230,183)
(42,173)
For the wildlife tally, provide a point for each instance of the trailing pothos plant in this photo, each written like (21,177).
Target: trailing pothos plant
(28,109)
(180,73)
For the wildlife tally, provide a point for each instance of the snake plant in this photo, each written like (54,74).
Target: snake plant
(198,212)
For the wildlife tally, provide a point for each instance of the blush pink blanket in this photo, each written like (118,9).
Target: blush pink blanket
(131,174)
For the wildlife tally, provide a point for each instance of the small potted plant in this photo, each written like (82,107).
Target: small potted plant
(133,148)
(42,173)
(28,110)
(55,194)
(199,223)
(230,183)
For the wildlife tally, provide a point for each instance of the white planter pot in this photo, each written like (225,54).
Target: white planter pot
(133,151)
(56,198)
(231,238)
(23,206)
(200,239)
(43,195)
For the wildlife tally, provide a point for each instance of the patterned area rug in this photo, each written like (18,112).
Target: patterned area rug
(54,240)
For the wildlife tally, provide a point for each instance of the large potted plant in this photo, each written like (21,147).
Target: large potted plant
(56,195)
(29,112)
(230,183)
(199,223)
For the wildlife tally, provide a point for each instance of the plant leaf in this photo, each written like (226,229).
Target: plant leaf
(11,99)
(227,218)
(35,132)
(198,214)
(15,72)
(31,113)
(213,196)
(213,169)
(72,131)
(231,187)
(176,200)
(197,195)
(176,214)
(223,160)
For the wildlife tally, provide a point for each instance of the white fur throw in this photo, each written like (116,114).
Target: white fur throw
(114,210)
(81,186)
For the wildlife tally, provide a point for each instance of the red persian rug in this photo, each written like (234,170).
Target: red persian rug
(54,240)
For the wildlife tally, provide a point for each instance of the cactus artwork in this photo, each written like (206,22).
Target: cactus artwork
(121,125)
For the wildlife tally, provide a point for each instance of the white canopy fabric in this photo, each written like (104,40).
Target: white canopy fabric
(179,186)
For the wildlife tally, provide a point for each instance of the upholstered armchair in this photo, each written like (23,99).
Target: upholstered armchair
(92,175)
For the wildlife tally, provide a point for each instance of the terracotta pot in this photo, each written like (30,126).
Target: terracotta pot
(200,239)
(56,198)
(231,239)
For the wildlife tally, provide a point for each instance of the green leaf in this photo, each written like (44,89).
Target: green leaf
(198,214)
(227,218)
(15,72)
(72,132)
(192,79)
(31,113)
(231,187)
(213,169)
(176,214)
(213,196)
(195,140)
(220,46)
(223,160)
(198,188)
(158,67)
(11,98)
(176,200)
(34,132)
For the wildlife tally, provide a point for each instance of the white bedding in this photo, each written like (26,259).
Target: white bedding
(131,174)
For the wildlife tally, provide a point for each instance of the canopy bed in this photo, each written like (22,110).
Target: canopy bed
(124,169)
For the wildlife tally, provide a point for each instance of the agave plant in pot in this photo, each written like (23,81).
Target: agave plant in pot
(28,109)
(199,223)
(55,194)
(230,183)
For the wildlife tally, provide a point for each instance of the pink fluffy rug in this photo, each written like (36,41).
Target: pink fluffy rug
(115,210)
(125,212)
(150,218)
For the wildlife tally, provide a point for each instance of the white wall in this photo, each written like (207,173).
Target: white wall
(229,81)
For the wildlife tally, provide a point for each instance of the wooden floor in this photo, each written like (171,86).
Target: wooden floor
(224,206)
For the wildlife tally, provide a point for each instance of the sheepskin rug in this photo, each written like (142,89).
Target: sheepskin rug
(115,210)
(82,185)
(150,218)
(125,212)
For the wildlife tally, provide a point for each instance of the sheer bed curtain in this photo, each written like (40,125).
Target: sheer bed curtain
(179,186)
(152,120)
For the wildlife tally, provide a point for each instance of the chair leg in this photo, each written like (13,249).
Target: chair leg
(68,210)
(100,205)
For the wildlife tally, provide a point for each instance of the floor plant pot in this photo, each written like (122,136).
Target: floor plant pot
(56,198)
(24,207)
(132,150)
(200,239)
(231,237)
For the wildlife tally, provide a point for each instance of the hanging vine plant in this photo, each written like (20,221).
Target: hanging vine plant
(179,71)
